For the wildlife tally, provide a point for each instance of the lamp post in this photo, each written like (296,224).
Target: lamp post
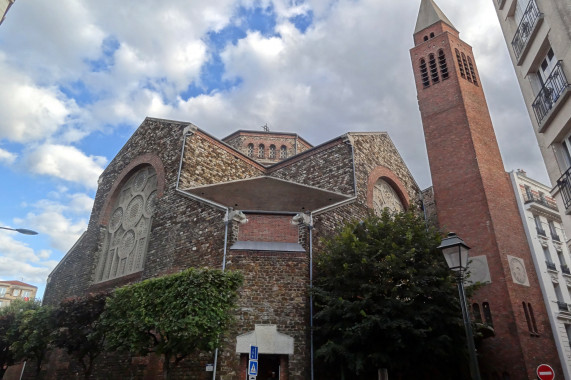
(20,230)
(455,252)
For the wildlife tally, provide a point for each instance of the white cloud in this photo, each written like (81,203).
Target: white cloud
(7,157)
(65,162)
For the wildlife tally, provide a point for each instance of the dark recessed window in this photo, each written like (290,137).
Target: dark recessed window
(261,151)
(272,151)
(424,73)
(433,69)
(487,313)
(472,71)
(251,150)
(442,64)
(460,65)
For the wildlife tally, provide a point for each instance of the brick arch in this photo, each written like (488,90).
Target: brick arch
(142,160)
(387,175)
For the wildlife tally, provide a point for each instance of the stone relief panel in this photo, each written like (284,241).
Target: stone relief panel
(478,270)
(517,268)
(126,236)
(384,196)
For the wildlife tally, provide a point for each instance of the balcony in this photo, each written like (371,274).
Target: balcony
(530,198)
(562,306)
(525,30)
(564,186)
(553,89)
(550,265)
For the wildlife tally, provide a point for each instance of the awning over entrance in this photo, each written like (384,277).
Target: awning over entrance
(268,340)
(268,194)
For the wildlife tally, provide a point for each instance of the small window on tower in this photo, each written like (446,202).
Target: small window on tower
(532,316)
(272,151)
(460,65)
(433,69)
(261,152)
(487,313)
(442,64)
(283,151)
(472,71)
(251,150)
(426,38)
(466,69)
(476,312)
(424,73)
(432,35)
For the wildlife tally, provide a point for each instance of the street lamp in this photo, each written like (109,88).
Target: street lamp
(455,252)
(20,230)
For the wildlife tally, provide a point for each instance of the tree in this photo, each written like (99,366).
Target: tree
(173,316)
(32,338)
(79,330)
(9,329)
(386,299)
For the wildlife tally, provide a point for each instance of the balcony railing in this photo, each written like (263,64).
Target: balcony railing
(526,25)
(565,269)
(564,186)
(550,265)
(554,86)
(529,197)
(562,306)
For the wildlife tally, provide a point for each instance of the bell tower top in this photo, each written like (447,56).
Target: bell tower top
(431,21)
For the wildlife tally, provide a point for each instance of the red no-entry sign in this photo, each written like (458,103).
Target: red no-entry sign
(545,372)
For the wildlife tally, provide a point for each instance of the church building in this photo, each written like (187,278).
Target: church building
(256,201)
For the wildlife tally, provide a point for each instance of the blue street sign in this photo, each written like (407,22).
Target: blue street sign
(253,352)
(253,368)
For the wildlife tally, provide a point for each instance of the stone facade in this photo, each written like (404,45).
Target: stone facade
(200,183)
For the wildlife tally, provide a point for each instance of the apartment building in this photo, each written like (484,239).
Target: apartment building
(538,37)
(4,6)
(12,290)
(542,224)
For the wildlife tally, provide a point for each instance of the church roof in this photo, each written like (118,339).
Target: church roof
(429,14)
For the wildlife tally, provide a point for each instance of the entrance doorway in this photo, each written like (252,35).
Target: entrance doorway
(269,367)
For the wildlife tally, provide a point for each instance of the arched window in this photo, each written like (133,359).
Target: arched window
(431,34)
(426,38)
(472,72)
(442,64)
(487,313)
(261,150)
(433,69)
(283,151)
(272,151)
(466,69)
(476,312)
(460,65)
(250,150)
(126,237)
(424,73)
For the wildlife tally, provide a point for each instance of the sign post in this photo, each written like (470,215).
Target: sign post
(545,372)
(253,363)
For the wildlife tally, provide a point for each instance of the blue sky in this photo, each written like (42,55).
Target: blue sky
(77,78)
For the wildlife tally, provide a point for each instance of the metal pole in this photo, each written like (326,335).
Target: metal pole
(474,368)
(311,292)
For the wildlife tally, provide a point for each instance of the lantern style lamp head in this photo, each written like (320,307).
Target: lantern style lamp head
(455,252)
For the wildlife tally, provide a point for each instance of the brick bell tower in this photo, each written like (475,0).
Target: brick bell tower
(474,198)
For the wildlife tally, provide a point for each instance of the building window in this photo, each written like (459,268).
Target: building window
(431,34)
(124,242)
(16,292)
(442,64)
(472,71)
(468,76)
(530,318)
(426,38)
(568,331)
(283,151)
(460,66)
(528,193)
(272,151)
(424,73)
(553,230)
(476,312)
(2,292)
(433,69)
(538,225)
(251,150)
(261,150)
(487,313)
(26,294)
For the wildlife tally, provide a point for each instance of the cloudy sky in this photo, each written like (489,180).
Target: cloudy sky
(78,77)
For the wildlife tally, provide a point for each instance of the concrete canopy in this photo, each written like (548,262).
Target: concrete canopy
(268,194)
(428,15)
